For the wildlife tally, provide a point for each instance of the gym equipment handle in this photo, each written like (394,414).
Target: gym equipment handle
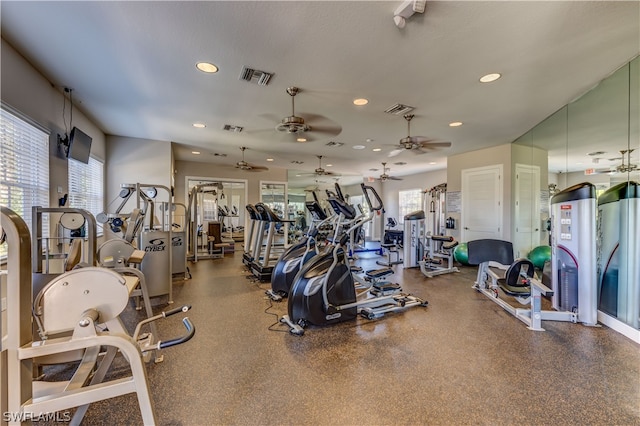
(365,190)
(191,331)
(339,191)
(174,311)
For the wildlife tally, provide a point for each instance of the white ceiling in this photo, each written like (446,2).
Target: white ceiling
(131,66)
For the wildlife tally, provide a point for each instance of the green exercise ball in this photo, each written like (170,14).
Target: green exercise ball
(461,254)
(539,255)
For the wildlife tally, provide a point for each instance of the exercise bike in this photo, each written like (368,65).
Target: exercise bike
(324,291)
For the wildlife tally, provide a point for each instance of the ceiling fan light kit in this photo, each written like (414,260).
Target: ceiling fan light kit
(297,126)
(416,144)
(293,123)
(243,165)
(384,176)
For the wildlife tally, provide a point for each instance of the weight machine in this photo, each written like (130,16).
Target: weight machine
(201,243)
(77,316)
(573,262)
(156,240)
(438,247)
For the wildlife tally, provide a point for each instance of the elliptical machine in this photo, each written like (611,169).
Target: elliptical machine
(324,291)
(298,254)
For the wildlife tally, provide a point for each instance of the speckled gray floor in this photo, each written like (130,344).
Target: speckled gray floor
(461,361)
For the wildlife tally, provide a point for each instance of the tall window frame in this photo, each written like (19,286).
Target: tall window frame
(86,186)
(24,166)
(409,200)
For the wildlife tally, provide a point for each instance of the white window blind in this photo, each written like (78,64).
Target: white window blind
(86,186)
(24,168)
(409,201)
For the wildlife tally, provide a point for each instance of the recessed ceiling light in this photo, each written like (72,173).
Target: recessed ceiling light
(269,159)
(359,147)
(195,152)
(301,140)
(360,101)
(432,162)
(298,175)
(206,67)
(455,124)
(199,125)
(490,77)
(377,149)
(329,165)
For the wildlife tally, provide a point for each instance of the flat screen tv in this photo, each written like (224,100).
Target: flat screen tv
(79,145)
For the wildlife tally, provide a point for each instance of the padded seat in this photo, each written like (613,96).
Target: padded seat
(514,282)
(450,245)
(379,273)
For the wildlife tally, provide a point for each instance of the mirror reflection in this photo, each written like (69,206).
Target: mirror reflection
(594,140)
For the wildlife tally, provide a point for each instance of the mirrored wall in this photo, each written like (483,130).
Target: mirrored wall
(594,139)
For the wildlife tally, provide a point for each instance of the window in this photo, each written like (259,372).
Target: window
(86,186)
(24,167)
(409,201)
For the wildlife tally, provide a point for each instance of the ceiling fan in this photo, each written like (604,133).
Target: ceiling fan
(622,167)
(384,176)
(243,165)
(304,132)
(320,171)
(416,144)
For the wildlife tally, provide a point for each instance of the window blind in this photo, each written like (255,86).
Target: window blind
(86,186)
(24,168)
(408,202)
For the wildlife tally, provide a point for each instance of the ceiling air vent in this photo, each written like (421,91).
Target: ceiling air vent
(232,128)
(297,162)
(261,78)
(399,109)
(333,143)
(217,154)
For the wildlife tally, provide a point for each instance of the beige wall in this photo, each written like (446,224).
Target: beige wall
(183,169)
(192,168)
(33,95)
(485,157)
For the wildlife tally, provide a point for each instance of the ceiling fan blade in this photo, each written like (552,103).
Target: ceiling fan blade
(419,139)
(418,150)
(321,124)
(434,145)
(394,178)
(396,152)
(257,169)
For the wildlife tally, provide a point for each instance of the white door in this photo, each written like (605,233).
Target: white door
(526,210)
(482,203)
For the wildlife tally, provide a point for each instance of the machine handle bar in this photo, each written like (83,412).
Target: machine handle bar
(191,331)
(174,311)
(365,191)
(163,314)
(339,191)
